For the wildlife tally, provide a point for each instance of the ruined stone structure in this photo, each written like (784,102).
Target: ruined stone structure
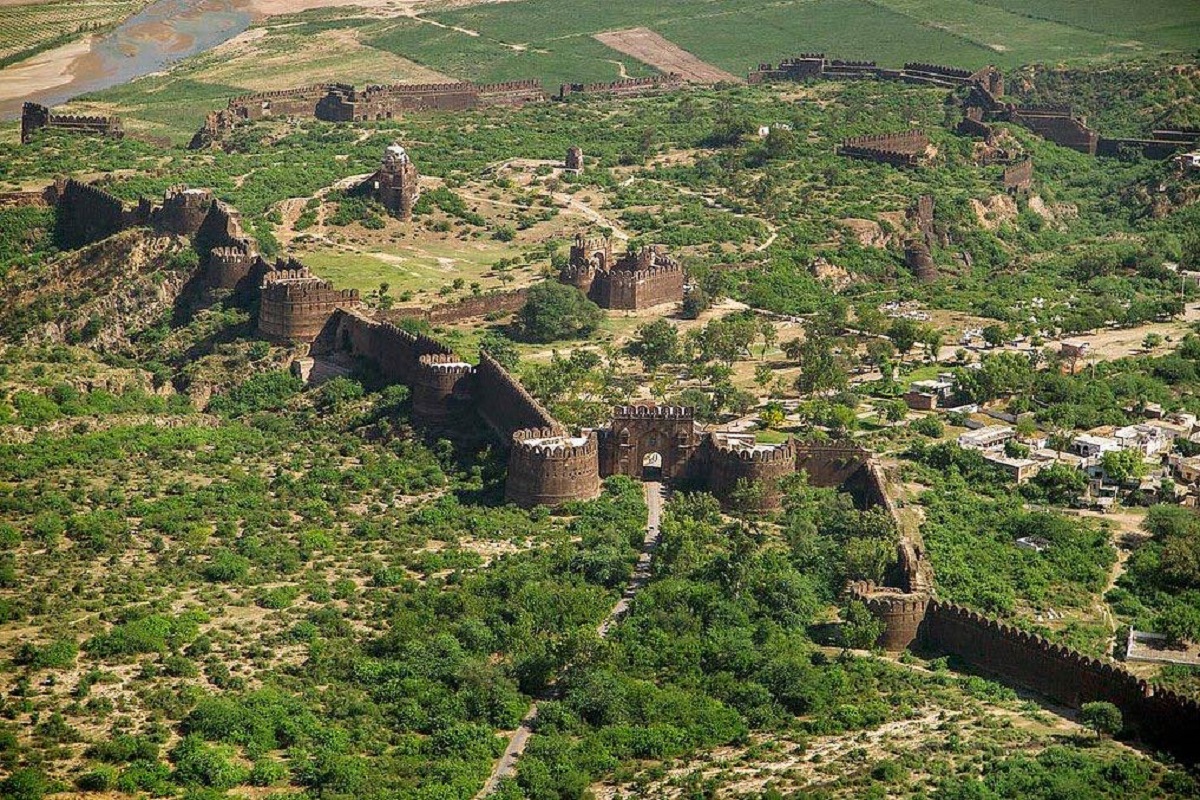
(1057,124)
(1018,178)
(918,258)
(182,212)
(626,87)
(295,305)
(898,149)
(396,184)
(902,613)
(337,102)
(35,117)
(574,160)
(816,66)
(635,281)
(482,305)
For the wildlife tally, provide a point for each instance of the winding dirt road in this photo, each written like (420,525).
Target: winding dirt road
(519,738)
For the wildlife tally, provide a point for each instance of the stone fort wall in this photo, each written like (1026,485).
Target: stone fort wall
(505,405)
(35,117)
(899,149)
(295,305)
(486,304)
(1160,717)
(727,465)
(545,468)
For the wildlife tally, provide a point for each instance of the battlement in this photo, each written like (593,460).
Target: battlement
(555,444)
(852,64)
(35,116)
(625,87)
(654,412)
(784,452)
(900,149)
(1045,110)
(939,69)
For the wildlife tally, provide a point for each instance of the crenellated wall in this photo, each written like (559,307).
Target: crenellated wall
(1018,177)
(1058,125)
(87,214)
(296,306)
(636,432)
(1160,717)
(637,280)
(626,87)
(548,468)
(505,405)
(728,461)
(395,351)
(899,149)
(35,117)
(482,305)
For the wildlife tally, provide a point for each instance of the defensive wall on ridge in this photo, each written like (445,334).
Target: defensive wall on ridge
(35,117)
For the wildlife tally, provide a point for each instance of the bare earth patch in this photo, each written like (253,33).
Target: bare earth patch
(648,47)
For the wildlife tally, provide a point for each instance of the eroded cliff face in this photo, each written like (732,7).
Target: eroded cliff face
(102,294)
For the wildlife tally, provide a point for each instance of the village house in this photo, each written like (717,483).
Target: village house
(986,437)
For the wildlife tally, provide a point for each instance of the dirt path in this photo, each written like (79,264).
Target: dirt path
(648,47)
(518,739)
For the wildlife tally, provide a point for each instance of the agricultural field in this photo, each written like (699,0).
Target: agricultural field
(29,26)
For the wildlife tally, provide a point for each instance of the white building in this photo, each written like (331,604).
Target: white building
(986,437)
(1089,445)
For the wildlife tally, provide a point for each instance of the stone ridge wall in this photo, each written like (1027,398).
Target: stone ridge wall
(87,214)
(900,149)
(726,465)
(504,403)
(35,116)
(1148,148)
(506,302)
(626,87)
(551,475)
(1159,716)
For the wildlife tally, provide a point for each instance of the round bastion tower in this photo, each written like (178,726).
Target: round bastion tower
(547,467)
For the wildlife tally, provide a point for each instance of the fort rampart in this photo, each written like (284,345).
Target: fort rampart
(35,117)
(899,149)
(295,305)
(626,87)
(548,468)
(505,405)
(473,307)
(1160,717)
(730,465)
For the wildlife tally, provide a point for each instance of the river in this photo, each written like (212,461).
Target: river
(163,32)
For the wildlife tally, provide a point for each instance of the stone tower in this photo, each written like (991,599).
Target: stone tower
(574,161)
(397,184)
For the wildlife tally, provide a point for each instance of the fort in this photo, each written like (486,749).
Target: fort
(295,305)
(626,87)
(899,149)
(35,117)
(337,102)
(637,280)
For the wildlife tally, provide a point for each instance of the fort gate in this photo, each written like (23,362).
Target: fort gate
(650,442)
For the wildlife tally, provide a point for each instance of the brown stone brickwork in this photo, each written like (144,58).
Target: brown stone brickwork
(396,184)
(549,468)
(899,149)
(35,117)
(635,281)
(295,305)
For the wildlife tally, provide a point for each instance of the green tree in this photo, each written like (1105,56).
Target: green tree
(501,348)
(994,335)
(819,368)
(904,333)
(859,629)
(1102,717)
(554,311)
(1122,465)
(655,344)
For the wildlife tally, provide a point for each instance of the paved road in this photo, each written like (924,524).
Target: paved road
(518,739)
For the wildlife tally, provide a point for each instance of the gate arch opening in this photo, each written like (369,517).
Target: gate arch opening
(652,467)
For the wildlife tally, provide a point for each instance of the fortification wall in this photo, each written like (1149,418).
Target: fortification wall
(183,211)
(511,93)
(1056,124)
(504,403)
(830,465)
(547,469)
(726,465)
(1160,717)
(1019,177)
(1148,148)
(899,149)
(637,289)
(636,432)
(35,117)
(500,303)
(87,214)
(627,87)
(396,352)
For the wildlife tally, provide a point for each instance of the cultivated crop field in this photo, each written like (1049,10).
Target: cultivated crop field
(30,27)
